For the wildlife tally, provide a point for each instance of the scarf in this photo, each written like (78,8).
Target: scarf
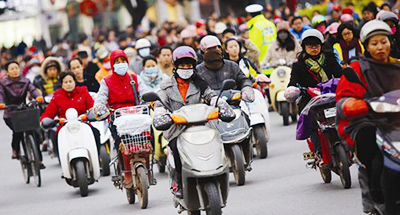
(347,47)
(152,83)
(213,59)
(316,67)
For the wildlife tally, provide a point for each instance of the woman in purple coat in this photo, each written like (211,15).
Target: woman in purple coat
(14,89)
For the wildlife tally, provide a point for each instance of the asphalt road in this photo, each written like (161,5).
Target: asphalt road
(278,185)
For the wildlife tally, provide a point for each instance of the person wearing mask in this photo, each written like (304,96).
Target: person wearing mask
(298,28)
(33,69)
(103,63)
(331,37)
(392,20)
(215,69)
(164,58)
(118,90)
(233,52)
(348,45)
(262,31)
(314,66)
(319,23)
(47,82)
(286,47)
(70,95)
(379,73)
(82,78)
(185,87)
(152,75)
(142,47)
(14,89)
(251,50)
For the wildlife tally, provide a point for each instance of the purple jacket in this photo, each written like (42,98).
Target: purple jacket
(15,92)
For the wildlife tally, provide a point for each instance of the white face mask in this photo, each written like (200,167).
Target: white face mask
(185,73)
(121,68)
(144,52)
(107,65)
(35,70)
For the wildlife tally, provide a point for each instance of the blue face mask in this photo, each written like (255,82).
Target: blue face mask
(144,52)
(151,70)
(121,68)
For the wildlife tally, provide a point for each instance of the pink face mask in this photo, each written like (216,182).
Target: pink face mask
(394,29)
(321,28)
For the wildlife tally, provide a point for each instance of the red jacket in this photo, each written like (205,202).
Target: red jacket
(120,92)
(347,89)
(79,99)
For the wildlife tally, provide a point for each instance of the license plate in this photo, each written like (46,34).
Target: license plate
(331,112)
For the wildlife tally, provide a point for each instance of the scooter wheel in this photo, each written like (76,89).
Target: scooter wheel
(344,169)
(285,113)
(193,212)
(214,200)
(261,141)
(81,178)
(326,174)
(143,186)
(104,161)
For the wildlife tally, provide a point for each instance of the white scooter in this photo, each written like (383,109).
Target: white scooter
(106,141)
(77,151)
(259,121)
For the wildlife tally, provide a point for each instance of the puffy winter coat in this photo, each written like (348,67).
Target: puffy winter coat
(43,82)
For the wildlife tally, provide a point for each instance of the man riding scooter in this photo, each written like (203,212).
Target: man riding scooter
(192,89)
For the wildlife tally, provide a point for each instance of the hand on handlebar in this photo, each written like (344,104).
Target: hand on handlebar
(3,106)
(40,99)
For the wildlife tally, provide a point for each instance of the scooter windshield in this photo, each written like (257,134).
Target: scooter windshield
(387,103)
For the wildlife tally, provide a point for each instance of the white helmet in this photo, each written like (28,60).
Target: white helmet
(142,43)
(312,33)
(374,27)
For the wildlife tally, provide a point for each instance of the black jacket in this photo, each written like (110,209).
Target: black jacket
(302,75)
(229,70)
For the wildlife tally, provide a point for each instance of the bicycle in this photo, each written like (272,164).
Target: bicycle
(25,119)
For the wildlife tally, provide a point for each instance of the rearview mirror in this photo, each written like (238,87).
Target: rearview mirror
(150,97)
(228,84)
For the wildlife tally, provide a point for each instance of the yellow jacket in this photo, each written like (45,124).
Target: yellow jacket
(262,33)
(339,52)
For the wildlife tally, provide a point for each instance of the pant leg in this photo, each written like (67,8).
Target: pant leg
(177,160)
(367,202)
(391,191)
(17,137)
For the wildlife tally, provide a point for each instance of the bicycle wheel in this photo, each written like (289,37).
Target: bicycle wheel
(34,159)
(23,159)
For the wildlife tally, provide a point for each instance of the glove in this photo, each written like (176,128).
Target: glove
(226,113)
(221,101)
(352,108)
(247,94)
(3,106)
(40,99)
(162,122)
(101,112)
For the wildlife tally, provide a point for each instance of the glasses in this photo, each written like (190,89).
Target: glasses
(313,46)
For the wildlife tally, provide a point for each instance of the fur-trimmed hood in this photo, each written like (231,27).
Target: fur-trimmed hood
(49,60)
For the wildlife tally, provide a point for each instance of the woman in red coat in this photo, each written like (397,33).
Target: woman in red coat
(118,90)
(380,74)
(70,96)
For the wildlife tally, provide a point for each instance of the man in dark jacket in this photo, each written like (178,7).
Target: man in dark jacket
(83,77)
(215,69)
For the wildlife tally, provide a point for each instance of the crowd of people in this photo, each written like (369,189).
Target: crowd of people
(196,58)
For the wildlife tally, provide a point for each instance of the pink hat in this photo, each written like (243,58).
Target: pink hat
(283,25)
(187,33)
(333,28)
(209,42)
(346,18)
(243,28)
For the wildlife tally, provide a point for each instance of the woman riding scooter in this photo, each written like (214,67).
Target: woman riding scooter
(120,89)
(192,89)
(70,96)
(14,89)
(314,66)
(379,73)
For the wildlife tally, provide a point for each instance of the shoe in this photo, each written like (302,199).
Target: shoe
(128,179)
(44,147)
(42,166)
(14,155)
(176,189)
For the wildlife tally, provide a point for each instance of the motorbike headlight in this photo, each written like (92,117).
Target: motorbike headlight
(281,73)
(73,127)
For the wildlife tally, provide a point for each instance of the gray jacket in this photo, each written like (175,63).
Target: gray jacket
(229,70)
(172,98)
